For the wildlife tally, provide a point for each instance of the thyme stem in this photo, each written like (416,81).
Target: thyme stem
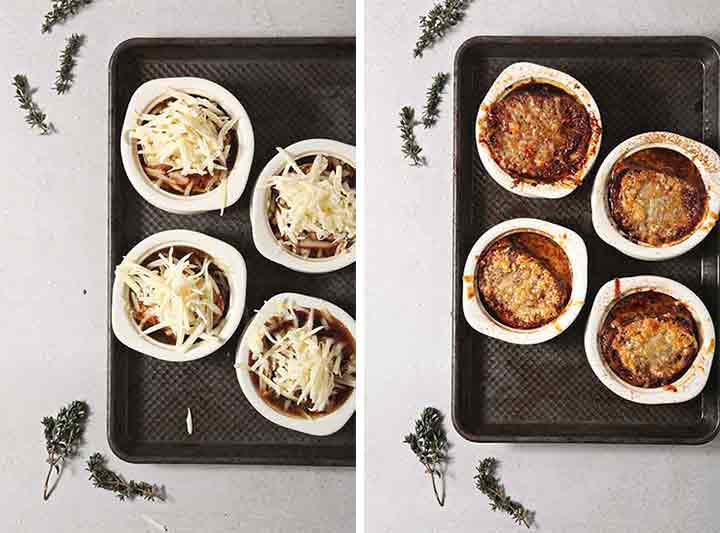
(62,438)
(65,75)
(46,494)
(431,112)
(429,443)
(34,116)
(440,500)
(60,11)
(438,21)
(410,148)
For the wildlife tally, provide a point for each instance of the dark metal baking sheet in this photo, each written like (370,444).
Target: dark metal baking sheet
(292,89)
(547,392)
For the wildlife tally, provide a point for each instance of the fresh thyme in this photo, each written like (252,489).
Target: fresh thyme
(438,21)
(34,116)
(431,111)
(410,148)
(62,437)
(488,484)
(104,478)
(65,75)
(429,443)
(62,10)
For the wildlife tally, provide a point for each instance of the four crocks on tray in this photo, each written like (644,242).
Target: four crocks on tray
(648,339)
(187,147)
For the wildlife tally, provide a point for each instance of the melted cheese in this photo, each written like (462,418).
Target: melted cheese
(314,202)
(299,365)
(179,295)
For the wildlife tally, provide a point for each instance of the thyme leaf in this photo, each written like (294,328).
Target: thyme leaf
(431,111)
(34,116)
(104,478)
(487,483)
(60,11)
(62,438)
(438,21)
(410,148)
(65,75)
(429,443)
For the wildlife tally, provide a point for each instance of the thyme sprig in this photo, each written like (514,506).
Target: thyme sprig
(431,112)
(62,438)
(438,21)
(104,478)
(410,148)
(429,443)
(60,11)
(34,116)
(487,483)
(65,75)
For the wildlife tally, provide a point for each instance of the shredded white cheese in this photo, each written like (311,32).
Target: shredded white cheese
(299,365)
(176,295)
(188,134)
(185,137)
(316,202)
(157,525)
(189,422)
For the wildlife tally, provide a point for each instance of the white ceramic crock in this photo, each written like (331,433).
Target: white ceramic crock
(146,97)
(692,382)
(706,160)
(512,77)
(321,425)
(263,236)
(483,322)
(227,258)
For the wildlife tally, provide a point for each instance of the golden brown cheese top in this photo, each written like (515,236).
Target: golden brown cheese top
(538,133)
(657,196)
(649,339)
(523,280)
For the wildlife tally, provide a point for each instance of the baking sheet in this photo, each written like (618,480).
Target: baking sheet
(548,393)
(292,89)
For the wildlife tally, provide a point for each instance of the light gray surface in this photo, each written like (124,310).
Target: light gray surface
(53,241)
(573,488)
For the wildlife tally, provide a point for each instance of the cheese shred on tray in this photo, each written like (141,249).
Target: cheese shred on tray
(185,144)
(178,296)
(312,205)
(302,361)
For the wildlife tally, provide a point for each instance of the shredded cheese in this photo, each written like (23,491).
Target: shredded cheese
(176,295)
(318,201)
(185,137)
(189,422)
(299,365)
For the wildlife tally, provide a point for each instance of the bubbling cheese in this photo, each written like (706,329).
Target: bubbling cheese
(315,202)
(176,295)
(300,365)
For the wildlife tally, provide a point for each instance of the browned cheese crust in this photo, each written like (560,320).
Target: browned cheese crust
(657,196)
(649,339)
(538,133)
(524,280)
